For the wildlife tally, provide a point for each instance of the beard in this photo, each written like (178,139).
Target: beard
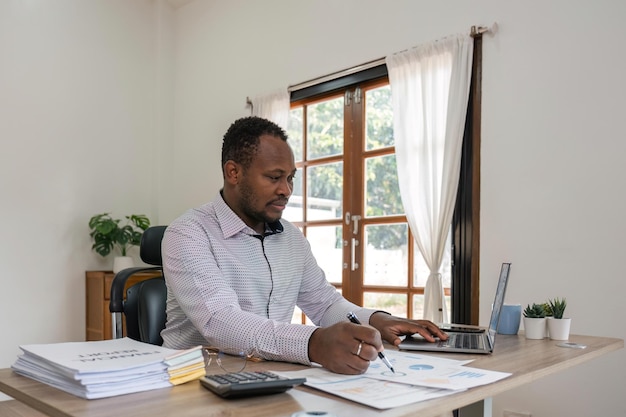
(249,202)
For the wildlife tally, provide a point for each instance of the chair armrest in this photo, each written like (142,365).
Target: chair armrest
(118,284)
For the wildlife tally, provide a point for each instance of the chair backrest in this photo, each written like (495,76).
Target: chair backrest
(144,310)
(145,302)
(150,246)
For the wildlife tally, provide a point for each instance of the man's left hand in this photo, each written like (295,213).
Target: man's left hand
(391,328)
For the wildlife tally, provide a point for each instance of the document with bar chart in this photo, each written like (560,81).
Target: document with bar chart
(431,371)
(417,378)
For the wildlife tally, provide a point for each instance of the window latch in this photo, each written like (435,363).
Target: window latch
(357,95)
(347,98)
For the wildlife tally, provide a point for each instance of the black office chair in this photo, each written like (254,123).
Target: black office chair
(144,306)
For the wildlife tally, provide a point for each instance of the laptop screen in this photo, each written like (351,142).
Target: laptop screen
(499,299)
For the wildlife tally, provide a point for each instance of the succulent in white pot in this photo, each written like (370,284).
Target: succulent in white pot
(535,321)
(558,325)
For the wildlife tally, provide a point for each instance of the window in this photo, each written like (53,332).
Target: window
(346,199)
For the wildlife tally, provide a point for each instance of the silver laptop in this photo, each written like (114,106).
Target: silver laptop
(467,342)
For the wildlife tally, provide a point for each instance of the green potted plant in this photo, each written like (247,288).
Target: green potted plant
(535,321)
(557,307)
(536,311)
(547,308)
(109,234)
(558,326)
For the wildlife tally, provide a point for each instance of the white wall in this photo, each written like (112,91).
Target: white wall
(92,92)
(77,134)
(552,140)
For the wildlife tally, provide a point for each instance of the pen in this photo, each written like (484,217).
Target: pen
(354,319)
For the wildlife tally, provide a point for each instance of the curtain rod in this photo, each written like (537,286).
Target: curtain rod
(474,31)
(479,30)
(335,75)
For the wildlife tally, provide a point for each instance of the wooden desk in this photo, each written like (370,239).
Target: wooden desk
(528,360)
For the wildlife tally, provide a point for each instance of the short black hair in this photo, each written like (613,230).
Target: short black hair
(241,140)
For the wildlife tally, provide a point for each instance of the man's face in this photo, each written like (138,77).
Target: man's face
(266,185)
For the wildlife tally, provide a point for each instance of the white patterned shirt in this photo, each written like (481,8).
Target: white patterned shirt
(236,290)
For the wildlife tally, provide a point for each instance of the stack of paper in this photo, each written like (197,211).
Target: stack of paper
(185,365)
(107,368)
(417,378)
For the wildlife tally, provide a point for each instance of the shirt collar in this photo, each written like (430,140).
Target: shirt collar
(231,223)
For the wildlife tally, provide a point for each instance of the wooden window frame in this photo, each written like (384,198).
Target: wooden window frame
(466,219)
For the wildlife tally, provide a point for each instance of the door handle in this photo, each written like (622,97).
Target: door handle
(353,265)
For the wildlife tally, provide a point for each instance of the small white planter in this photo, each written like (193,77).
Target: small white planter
(122,262)
(559,328)
(534,328)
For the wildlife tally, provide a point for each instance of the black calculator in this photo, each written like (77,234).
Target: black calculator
(247,384)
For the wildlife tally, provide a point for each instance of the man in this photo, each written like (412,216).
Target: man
(235,270)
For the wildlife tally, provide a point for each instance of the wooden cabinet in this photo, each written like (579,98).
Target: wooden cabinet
(98,294)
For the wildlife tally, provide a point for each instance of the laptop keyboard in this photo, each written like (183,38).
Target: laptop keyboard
(464,341)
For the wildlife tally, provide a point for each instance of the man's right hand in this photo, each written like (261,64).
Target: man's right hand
(345,348)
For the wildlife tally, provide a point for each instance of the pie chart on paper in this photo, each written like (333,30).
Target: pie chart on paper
(421,367)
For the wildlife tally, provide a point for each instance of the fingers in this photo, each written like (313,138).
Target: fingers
(367,341)
(366,351)
(345,348)
(393,327)
(354,360)
(368,335)
(363,357)
(348,348)
(430,330)
(430,333)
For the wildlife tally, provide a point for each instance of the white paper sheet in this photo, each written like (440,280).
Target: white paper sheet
(431,371)
(374,393)
(418,378)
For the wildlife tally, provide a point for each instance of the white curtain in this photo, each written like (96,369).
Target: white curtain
(274,106)
(430,90)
